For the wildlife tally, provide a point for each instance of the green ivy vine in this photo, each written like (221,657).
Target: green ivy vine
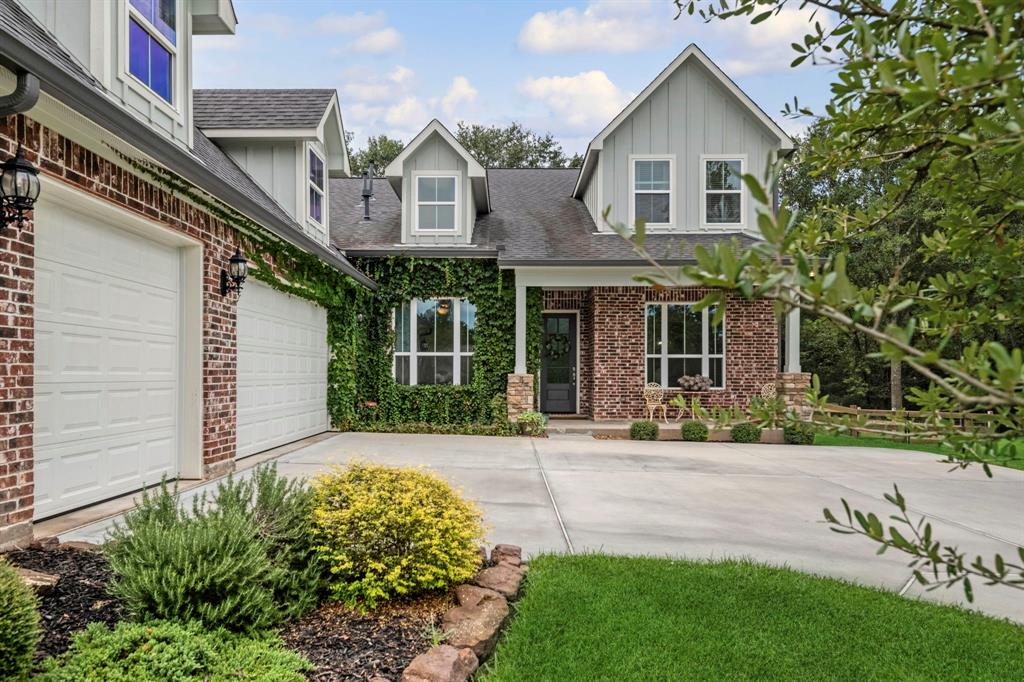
(484,284)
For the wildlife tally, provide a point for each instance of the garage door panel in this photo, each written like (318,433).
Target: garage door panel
(107,355)
(282,369)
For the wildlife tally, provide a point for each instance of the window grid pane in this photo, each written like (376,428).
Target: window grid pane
(316,169)
(437,346)
(685,344)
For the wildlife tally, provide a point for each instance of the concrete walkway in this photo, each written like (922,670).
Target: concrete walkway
(702,500)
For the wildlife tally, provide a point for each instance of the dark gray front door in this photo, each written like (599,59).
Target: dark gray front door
(558,364)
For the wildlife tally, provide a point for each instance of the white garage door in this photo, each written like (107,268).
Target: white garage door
(107,313)
(282,369)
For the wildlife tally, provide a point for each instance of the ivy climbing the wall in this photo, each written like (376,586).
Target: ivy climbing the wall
(491,290)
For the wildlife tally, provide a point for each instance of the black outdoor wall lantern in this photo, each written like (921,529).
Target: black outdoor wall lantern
(19,189)
(231,280)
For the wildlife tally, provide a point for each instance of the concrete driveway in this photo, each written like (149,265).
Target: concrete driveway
(704,500)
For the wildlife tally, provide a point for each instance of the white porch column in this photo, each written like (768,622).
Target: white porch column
(520,329)
(792,364)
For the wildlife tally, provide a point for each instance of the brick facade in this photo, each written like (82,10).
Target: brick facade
(618,354)
(64,160)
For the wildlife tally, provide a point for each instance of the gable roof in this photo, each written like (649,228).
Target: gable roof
(691,52)
(477,173)
(259,109)
(24,42)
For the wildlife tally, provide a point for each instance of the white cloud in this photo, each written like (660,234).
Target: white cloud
(407,115)
(360,22)
(765,47)
(459,92)
(584,102)
(601,26)
(377,42)
(401,75)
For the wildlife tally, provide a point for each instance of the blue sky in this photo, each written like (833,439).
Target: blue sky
(559,67)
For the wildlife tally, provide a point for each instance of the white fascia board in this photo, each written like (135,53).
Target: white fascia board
(582,276)
(332,117)
(261,133)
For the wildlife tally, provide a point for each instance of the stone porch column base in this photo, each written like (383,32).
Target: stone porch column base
(792,389)
(519,395)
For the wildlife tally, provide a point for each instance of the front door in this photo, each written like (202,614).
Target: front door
(558,364)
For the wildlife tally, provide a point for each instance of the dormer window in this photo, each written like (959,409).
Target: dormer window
(435,203)
(653,201)
(722,201)
(152,44)
(316,187)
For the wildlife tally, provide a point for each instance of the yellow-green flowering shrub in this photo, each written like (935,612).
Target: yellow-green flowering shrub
(386,532)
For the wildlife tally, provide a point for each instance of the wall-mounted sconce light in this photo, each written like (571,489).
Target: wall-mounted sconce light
(231,280)
(19,189)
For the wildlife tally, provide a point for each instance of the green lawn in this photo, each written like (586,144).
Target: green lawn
(1016,462)
(596,617)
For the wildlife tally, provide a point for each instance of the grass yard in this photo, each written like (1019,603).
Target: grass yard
(596,617)
(870,442)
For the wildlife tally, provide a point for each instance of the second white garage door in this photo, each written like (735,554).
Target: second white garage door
(282,369)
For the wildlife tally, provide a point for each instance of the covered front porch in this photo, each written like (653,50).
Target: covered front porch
(604,337)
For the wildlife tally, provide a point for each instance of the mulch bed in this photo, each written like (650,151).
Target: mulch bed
(79,598)
(346,645)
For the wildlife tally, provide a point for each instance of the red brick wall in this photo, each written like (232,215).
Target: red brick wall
(64,160)
(580,300)
(16,378)
(751,349)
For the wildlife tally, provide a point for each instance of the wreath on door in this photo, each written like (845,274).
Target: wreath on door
(557,345)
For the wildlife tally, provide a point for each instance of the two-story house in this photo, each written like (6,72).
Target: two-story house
(122,357)
(673,157)
(126,355)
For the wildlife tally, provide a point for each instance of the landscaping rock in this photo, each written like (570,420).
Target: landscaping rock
(82,545)
(442,663)
(42,583)
(504,579)
(471,595)
(482,551)
(48,542)
(477,626)
(507,554)
(378,678)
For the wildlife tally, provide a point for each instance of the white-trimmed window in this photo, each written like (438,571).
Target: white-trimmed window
(316,187)
(434,341)
(683,342)
(652,199)
(152,44)
(722,196)
(436,207)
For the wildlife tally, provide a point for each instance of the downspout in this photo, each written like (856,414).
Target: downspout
(24,97)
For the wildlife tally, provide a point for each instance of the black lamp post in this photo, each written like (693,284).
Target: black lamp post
(231,280)
(19,189)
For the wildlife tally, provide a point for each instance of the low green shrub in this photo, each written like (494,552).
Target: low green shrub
(800,433)
(694,431)
(160,651)
(440,404)
(241,560)
(746,433)
(506,429)
(532,423)
(499,409)
(19,624)
(644,430)
(386,532)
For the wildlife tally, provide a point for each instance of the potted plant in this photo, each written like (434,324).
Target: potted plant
(694,384)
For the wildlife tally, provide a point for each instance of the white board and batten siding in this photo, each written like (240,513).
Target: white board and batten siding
(689,115)
(435,154)
(108,336)
(282,369)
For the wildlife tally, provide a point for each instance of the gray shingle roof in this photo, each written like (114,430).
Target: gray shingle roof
(534,219)
(259,108)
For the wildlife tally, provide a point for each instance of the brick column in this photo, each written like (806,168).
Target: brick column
(17,356)
(792,388)
(519,396)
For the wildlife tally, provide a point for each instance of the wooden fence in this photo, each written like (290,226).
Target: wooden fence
(906,424)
